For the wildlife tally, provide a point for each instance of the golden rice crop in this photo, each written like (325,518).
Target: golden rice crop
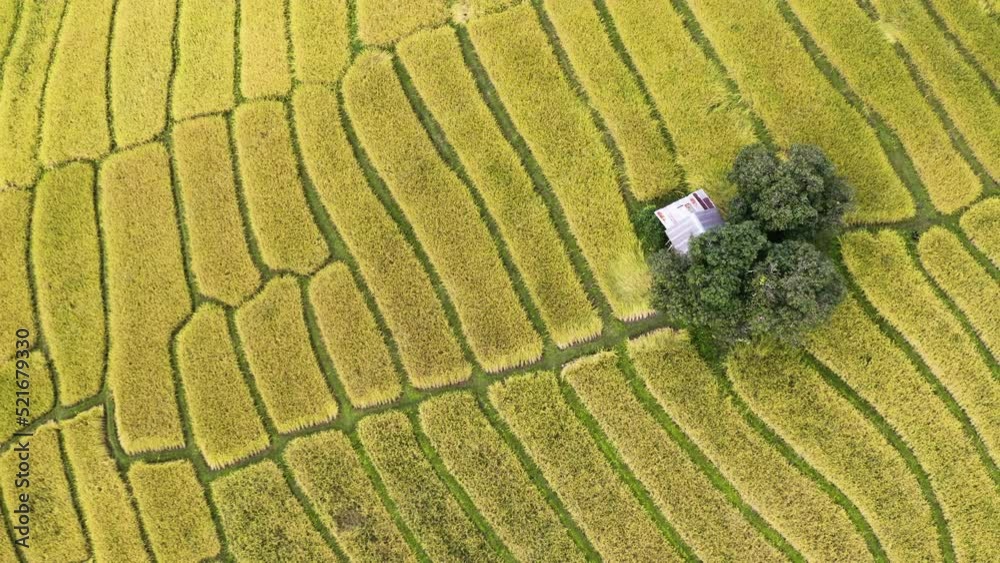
(262,518)
(975,25)
(327,469)
(424,501)
(206,60)
(112,525)
(54,529)
(173,508)
(263,49)
(615,93)
(427,346)
(967,283)
(837,439)
(981,224)
(967,99)
(381,22)
(866,359)
(147,294)
(141,62)
(273,331)
(221,409)
(276,201)
(41,398)
(220,257)
(714,528)
(15,293)
(593,493)
(434,61)
(8,19)
(465,10)
(889,278)
(67,265)
(443,214)
(76,120)
(706,124)
(684,385)
(320,39)
(562,136)
(476,455)
(352,338)
(7,553)
(24,73)
(857,47)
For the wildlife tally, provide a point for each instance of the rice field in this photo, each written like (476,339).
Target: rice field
(361,280)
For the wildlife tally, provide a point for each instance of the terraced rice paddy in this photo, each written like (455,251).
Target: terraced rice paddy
(361,281)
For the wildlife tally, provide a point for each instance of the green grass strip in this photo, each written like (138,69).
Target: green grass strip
(561,134)
(263,49)
(981,224)
(147,295)
(381,22)
(204,79)
(66,258)
(434,61)
(597,497)
(685,387)
(15,292)
(852,345)
(793,400)
(977,26)
(320,42)
(704,518)
(474,452)
(443,214)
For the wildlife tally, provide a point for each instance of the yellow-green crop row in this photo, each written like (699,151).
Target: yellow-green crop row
(352,338)
(112,525)
(477,456)
(401,288)
(76,120)
(24,73)
(615,93)
(867,360)
(715,530)
(434,61)
(443,214)
(562,136)
(577,471)
(221,409)
(320,40)
(220,257)
(967,99)
(981,224)
(889,278)
(276,201)
(381,22)
(967,283)
(8,21)
(66,257)
(327,469)
(857,47)
(173,508)
(147,294)
(51,524)
(799,105)
(41,398)
(262,519)
(263,49)
(689,90)
(141,62)
(428,507)
(206,60)
(837,439)
(273,331)
(15,292)
(976,26)
(686,388)
(464,10)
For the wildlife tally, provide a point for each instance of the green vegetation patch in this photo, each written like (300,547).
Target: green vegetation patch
(206,60)
(273,331)
(981,224)
(279,213)
(147,295)
(400,286)
(352,338)
(320,39)
(381,22)
(327,468)
(434,60)
(15,291)
(220,406)
(474,452)
(263,49)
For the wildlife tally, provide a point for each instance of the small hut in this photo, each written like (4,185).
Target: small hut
(688,218)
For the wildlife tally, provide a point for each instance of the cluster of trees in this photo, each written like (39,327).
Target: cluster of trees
(761,274)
